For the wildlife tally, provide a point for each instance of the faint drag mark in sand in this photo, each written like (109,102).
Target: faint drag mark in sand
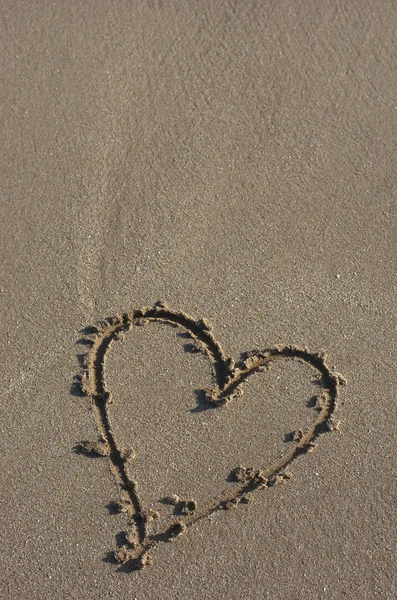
(134,551)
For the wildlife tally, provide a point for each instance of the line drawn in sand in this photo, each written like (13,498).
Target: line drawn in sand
(135,550)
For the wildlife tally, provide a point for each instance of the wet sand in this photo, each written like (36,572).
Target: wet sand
(236,160)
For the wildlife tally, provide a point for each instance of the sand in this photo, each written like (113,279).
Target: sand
(237,161)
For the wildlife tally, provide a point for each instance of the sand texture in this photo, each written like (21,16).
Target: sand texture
(198,291)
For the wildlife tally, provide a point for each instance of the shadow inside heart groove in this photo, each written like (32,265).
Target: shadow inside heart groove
(177,427)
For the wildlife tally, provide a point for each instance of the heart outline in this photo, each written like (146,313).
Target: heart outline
(135,552)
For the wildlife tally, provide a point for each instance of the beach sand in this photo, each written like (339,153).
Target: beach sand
(237,161)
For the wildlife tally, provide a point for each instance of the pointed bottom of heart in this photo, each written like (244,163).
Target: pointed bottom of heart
(136,544)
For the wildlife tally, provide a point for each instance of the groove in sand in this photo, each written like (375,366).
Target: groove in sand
(229,377)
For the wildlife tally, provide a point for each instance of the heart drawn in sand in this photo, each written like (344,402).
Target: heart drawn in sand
(134,552)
